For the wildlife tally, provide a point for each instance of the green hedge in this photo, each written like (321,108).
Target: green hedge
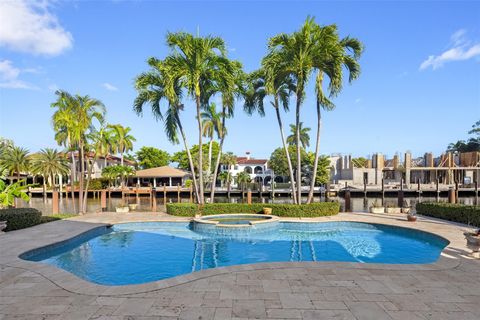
(19,218)
(453,212)
(282,210)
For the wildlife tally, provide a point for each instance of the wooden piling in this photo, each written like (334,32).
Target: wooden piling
(55,202)
(154,200)
(164,194)
(348,205)
(178,193)
(249,196)
(451,195)
(103,200)
(437,188)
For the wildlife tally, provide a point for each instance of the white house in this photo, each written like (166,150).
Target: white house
(256,168)
(98,164)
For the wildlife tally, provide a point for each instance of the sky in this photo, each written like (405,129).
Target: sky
(418,91)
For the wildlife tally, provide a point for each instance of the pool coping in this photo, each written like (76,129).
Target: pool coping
(449,259)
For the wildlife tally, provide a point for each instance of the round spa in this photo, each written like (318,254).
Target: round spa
(233,225)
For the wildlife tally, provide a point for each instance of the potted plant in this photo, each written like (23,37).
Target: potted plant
(411,217)
(267,210)
(377,207)
(392,208)
(473,239)
(132,206)
(405,207)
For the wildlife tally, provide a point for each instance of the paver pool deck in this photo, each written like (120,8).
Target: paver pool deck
(446,289)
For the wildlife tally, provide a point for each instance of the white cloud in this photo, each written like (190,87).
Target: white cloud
(462,50)
(29,26)
(9,77)
(109,87)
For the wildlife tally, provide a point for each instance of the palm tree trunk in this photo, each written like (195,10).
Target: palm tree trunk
(72,180)
(317,149)
(122,183)
(200,152)
(210,155)
(299,159)
(287,153)
(44,189)
(82,176)
(219,156)
(89,170)
(189,154)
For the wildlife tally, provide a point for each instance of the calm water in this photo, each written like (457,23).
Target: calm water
(93,205)
(143,252)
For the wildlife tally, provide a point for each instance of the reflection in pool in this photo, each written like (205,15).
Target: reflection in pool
(135,253)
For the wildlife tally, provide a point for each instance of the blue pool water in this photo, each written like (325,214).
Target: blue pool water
(135,253)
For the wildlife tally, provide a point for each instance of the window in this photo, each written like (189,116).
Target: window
(248,170)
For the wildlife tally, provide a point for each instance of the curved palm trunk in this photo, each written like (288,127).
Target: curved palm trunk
(189,155)
(82,174)
(317,149)
(217,162)
(44,189)
(210,155)
(89,169)
(299,159)
(285,147)
(122,183)
(200,153)
(72,181)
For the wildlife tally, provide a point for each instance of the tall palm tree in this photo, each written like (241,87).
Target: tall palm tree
(194,62)
(151,89)
(226,178)
(304,136)
(212,125)
(72,121)
(334,55)
(15,161)
(49,163)
(294,56)
(243,179)
(280,87)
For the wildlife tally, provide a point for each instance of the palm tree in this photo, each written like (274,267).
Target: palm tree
(15,161)
(151,89)
(196,63)
(226,178)
(49,163)
(212,125)
(334,54)
(72,121)
(281,88)
(294,55)
(122,138)
(242,179)
(304,136)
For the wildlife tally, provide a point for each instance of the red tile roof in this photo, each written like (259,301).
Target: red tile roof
(245,160)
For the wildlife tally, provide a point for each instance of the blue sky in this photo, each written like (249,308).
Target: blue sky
(418,91)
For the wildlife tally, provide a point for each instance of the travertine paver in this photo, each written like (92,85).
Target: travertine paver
(449,289)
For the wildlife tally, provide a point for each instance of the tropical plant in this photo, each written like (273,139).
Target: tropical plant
(122,140)
(242,179)
(10,192)
(280,86)
(49,163)
(472,144)
(73,121)
(304,136)
(150,157)
(15,160)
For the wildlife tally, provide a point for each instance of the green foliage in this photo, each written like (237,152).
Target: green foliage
(150,157)
(20,218)
(98,184)
(278,160)
(188,183)
(8,193)
(323,168)
(472,144)
(112,173)
(282,210)
(304,135)
(242,179)
(452,212)
(360,162)
(50,163)
(181,157)
(14,160)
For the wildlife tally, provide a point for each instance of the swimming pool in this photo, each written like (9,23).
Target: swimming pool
(134,253)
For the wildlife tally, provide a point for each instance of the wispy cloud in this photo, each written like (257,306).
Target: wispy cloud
(29,26)
(109,87)
(9,76)
(460,49)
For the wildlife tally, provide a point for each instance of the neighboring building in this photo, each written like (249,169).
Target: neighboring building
(99,164)
(160,176)
(449,168)
(256,168)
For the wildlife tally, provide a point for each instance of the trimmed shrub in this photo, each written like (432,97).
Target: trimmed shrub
(452,212)
(19,218)
(282,210)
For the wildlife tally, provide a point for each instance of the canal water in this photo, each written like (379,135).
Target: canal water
(359,204)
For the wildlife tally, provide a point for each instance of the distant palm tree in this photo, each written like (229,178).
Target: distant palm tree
(72,121)
(121,139)
(49,163)
(243,179)
(304,136)
(212,125)
(226,178)
(15,161)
